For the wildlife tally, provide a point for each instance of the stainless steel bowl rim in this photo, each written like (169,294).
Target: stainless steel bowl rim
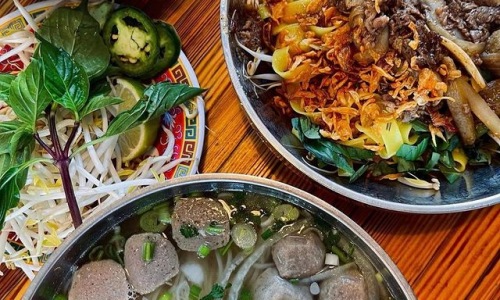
(363,236)
(304,169)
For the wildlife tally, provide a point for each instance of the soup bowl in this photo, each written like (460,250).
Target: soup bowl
(57,272)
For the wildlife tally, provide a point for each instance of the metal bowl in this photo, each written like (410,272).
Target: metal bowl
(59,268)
(476,189)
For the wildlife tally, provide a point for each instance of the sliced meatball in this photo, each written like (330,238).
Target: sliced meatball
(146,276)
(269,285)
(299,256)
(195,215)
(99,280)
(348,286)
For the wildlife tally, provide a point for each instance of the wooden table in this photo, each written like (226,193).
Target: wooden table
(452,256)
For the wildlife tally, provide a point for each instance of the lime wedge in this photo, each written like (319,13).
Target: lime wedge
(137,141)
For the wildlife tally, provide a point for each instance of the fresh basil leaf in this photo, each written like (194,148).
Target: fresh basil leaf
(100,88)
(310,130)
(405,165)
(433,160)
(21,141)
(97,103)
(9,189)
(5,81)
(12,180)
(28,96)
(329,152)
(165,95)
(65,80)
(4,163)
(358,154)
(78,33)
(7,130)
(157,100)
(412,152)
(359,172)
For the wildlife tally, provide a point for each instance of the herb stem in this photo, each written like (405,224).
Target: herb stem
(63,165)
(44,145)
(71,137)
(55,136)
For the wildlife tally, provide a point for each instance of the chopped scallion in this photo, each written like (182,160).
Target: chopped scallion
(166,296)
(267,234)
(343,257)
(148,250)
(203,251)
(214,229)
(244,235)
(194,292)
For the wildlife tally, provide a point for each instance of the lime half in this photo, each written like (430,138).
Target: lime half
(137,141)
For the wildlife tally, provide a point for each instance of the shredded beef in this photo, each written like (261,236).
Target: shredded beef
(429,52)
(473,22)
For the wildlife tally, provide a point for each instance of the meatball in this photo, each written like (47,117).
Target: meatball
(99,280)
(299,256)
(269,285)
(195,215)
(348,286)
(146,276)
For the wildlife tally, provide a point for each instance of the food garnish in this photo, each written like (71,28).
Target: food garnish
(67,113)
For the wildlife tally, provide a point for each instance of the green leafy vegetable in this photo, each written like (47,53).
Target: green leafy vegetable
(359,172)
(78,33)
(65,80)
(28,97)
(330,153)
(5,81)
(157,99)
(217,292)
(7,130)
(419,126)
(97,103)
(411,152)
(432,161)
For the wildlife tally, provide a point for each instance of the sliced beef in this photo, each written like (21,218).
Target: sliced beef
(299,256)
(348,286)
(429,52)
(99,280)
(474,22)
(146,276)
(269,285)
(492,95)
(196,214)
